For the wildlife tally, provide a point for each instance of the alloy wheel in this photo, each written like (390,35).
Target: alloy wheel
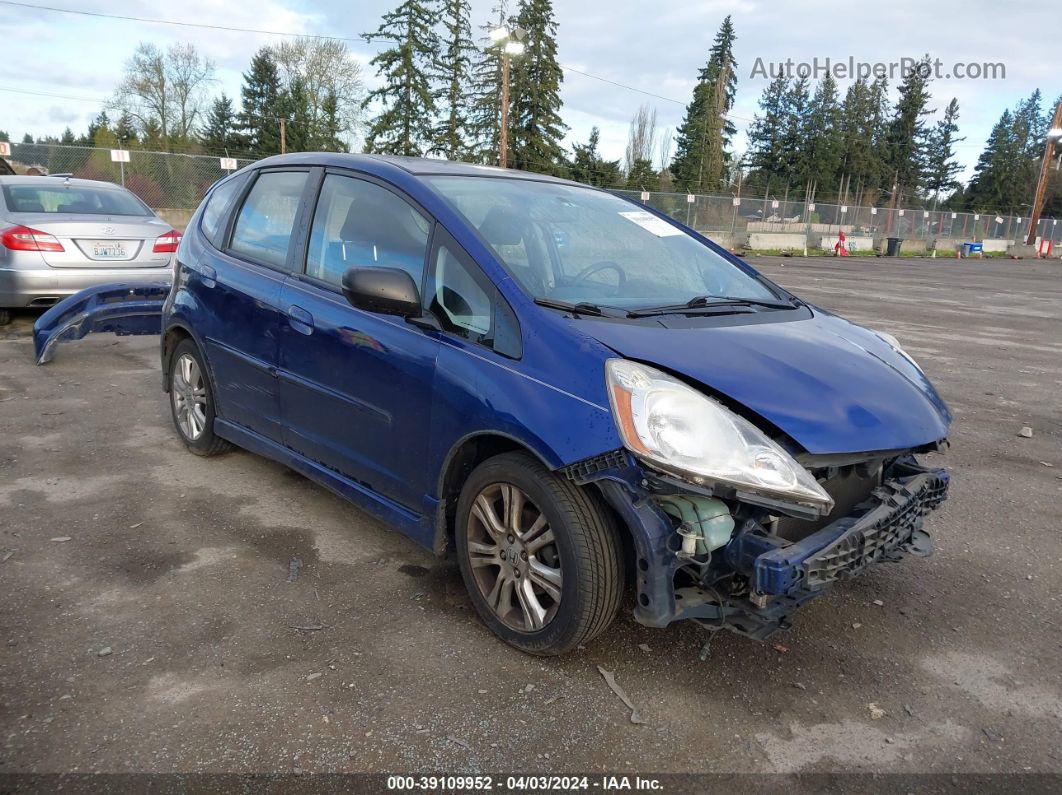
(513,557)
(189,395)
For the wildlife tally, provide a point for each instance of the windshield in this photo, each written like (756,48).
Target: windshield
(578,245)
(60,198)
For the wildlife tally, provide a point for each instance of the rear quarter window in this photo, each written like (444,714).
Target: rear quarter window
(218,205)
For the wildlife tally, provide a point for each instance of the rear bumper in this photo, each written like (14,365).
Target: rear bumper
(22,287)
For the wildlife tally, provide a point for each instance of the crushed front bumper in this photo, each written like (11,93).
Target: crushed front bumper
(776,575)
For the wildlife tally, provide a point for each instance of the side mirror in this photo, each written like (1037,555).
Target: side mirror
(391,291)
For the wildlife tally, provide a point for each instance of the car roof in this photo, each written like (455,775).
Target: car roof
(417,166)
(46,181)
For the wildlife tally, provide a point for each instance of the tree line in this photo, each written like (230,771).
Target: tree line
(861,149)
(439,94)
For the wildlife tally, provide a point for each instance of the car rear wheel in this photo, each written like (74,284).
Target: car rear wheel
(5,317)
(541,559)
(192,401)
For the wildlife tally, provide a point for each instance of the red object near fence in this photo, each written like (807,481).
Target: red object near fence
(839,249)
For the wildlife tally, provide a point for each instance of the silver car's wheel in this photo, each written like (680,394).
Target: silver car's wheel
(513,556)
(189,395)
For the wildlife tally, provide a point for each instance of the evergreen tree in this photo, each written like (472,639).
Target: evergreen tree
(766,135)
(451,135)
(330,125)
(988,188)
(259,120)
(294,105)
(859,158)
(101,122)
(404,123)
(125,130)
(700,148)
(536,127)
(642,175)
(219,131)
(905,138)
(941,166)
(820,144)
(797,100)
(1028,141)
(485,91)
(588,167)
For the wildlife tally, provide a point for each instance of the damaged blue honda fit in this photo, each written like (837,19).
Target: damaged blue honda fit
(577,395)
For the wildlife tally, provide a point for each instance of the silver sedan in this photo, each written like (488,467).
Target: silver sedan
(59,236)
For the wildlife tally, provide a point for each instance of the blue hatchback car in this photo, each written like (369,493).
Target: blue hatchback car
(576,394)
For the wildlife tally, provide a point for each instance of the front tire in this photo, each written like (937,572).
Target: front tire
(540,557)
(5,317)
(192,401)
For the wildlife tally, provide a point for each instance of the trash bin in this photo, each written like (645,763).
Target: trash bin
(893,249)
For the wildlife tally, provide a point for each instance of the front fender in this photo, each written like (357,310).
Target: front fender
(124,309)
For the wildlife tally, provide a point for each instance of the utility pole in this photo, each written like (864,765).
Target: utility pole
(283,136)
(1053,134)
(503,132)
(509,41)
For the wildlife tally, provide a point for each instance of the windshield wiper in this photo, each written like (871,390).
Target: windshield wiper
(709,303)
(582,308)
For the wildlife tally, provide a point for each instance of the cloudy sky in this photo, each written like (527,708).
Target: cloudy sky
(62,66)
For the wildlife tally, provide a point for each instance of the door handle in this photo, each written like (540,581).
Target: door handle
(300,320)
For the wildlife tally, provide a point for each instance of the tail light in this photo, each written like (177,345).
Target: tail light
(22,238)
(167,243)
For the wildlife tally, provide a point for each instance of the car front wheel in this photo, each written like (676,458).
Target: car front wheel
(540,557)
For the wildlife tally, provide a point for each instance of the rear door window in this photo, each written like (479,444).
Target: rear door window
(263,228)
(217,209)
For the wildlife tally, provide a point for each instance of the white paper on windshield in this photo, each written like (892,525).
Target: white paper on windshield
(650,223)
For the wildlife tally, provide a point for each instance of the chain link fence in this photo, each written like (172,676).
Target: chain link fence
(755,221)
(166,180)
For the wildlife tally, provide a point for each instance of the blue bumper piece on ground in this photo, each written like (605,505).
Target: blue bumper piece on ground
(124,309)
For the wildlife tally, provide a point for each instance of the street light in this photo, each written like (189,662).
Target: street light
(510,44)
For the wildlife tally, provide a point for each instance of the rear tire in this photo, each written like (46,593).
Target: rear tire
(192,401)
(547,574)
(5,317)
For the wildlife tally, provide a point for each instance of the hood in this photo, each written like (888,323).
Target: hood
(831,385)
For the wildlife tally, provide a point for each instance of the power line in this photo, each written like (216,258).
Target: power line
(235,29)
(50,94)
(149,20)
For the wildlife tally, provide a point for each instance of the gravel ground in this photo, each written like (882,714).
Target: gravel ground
(149,623)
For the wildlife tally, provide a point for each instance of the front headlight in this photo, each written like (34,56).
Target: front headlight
(682,430)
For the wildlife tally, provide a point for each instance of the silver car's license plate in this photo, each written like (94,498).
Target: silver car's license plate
(107,249)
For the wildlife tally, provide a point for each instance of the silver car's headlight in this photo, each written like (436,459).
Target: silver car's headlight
(668,423)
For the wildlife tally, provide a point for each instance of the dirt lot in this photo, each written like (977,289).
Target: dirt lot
(180,567)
